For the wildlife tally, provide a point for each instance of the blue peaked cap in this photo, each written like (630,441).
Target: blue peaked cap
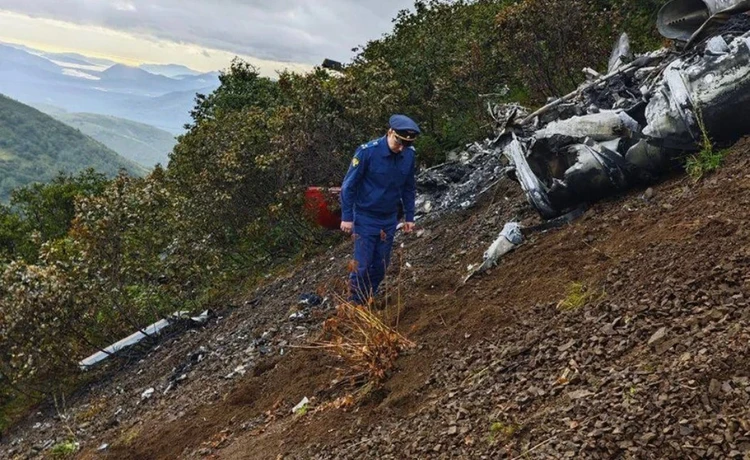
(404,126)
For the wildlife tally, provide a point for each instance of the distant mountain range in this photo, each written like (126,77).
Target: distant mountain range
(138,142)
(169,70)
(34,147)
(157,95)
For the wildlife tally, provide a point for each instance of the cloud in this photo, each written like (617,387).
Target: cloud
(300,31)
(124,6)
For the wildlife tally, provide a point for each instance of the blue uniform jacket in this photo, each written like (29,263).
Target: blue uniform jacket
(377,181)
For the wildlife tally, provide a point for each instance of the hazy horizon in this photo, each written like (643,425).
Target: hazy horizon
(293,35)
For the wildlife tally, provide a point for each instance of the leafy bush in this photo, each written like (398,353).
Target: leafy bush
(442,56)
(36,306)
(44,212)
(548,42)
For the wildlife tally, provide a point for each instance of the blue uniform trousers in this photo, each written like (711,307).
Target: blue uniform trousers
(372,255)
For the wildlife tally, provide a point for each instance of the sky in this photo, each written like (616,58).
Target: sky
(202,34)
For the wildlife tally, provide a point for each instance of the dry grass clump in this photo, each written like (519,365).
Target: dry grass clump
(358,335)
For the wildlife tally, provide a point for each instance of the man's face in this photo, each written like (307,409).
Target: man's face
(396,144)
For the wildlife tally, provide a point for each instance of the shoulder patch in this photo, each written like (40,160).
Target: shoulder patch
(355,162)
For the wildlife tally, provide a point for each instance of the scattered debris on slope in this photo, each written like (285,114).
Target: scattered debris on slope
(654,366)
(616,131)
(457,184)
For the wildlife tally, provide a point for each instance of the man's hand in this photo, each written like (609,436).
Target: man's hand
(408,227)
(347,227)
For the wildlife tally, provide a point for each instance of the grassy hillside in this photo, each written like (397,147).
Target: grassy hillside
(138,142)
(34,147)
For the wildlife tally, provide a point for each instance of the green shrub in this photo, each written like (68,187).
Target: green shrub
(708,159)
(64,449)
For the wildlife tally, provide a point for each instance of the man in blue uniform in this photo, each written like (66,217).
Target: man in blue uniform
(380,177)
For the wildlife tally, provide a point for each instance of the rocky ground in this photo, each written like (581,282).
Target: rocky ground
(623,335)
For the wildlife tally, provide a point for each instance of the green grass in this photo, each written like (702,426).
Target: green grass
(302,410)
(502,432)
(704,162)
(577,295)
(708,159)
(64,449)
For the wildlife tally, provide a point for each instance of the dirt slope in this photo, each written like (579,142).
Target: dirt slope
(654,365)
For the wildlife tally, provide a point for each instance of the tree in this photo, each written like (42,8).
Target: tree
(241,86)
(43,212)
(444,55)
(548,42)
(13,236)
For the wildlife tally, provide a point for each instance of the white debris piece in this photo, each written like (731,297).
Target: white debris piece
(301,406)
(297,316)
(509,238)
(202,318)
(149,331)
(603,126)
(512,232)
(620,54)
(717,46)
(239,370)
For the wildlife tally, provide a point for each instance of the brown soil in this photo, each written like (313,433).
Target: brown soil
(653,365)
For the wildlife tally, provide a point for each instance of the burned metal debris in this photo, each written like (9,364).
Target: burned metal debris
(691,20)
(632,125)
(618,130)
(457,184)
(152,330)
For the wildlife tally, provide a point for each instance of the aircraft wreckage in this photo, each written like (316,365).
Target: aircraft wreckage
(630,126)
(622,129)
